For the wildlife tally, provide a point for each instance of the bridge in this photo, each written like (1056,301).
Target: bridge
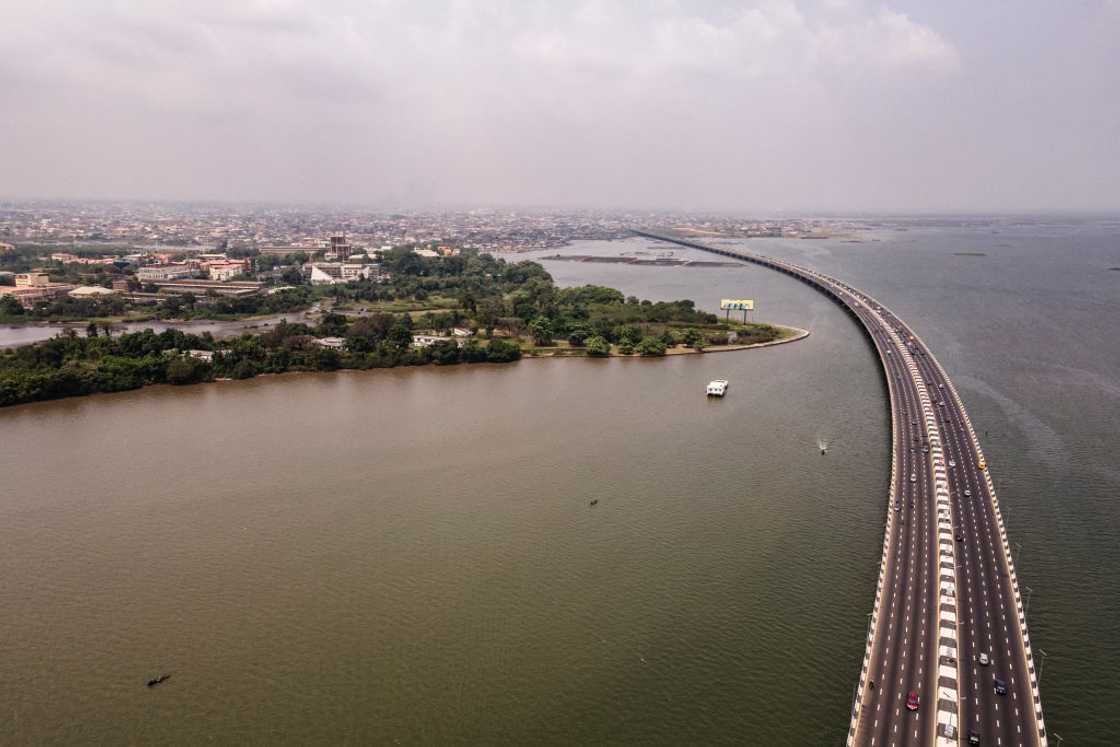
(948,622)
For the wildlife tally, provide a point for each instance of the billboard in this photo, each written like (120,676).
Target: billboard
(736,304)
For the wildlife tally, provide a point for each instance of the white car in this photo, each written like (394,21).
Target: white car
(983,658)
(952,463)
(967,493)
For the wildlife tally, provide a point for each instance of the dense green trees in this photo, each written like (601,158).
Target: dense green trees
(650,346)
(9,306)
(541,331)
(598,346)
(183,369)
(69,365)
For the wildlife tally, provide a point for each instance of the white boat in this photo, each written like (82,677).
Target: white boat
(717,388)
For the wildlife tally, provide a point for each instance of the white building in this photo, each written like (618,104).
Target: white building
(324,273)
(426,341)
(163,272)
(90,291)
(330,273)
(333,343)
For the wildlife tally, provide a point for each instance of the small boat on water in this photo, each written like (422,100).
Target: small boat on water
(717,387)
(159,680)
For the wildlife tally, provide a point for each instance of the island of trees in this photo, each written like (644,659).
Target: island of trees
(469,308)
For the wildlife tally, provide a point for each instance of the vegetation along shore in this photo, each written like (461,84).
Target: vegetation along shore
(470,308)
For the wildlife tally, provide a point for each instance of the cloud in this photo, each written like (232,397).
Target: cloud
(603,101)
(184,55)
(775,39)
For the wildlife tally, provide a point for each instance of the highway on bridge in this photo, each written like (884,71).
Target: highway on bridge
(948,623)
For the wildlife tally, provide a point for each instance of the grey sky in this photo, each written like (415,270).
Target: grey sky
(747,106)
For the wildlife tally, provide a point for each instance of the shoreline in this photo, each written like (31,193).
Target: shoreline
(800,334)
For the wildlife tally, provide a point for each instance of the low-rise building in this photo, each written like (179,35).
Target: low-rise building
(426,341)
(333,343)
(29,295)
(331,273)
(91,291)
(286,250)
(325,273)
(32,280)
(202,287)
(156,273)
(223,271)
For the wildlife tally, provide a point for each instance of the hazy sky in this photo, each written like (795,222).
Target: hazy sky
(745,106)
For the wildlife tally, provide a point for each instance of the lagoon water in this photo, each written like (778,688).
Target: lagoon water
(409,556)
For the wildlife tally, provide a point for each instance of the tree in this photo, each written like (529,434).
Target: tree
(473,352)
(502,351)
(541,331)
(333,325)
(598,346)
(400,334)
(577,336)
(173,306)
(292,276)
(328,359)
(10,306)
(186,370)
(444,352)
(91,329)
(630,335)
(245,369)
(487,314)
(650,347)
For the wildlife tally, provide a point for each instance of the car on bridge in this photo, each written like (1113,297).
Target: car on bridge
(983,658)
(1001,687)
(973,736)
(912,701)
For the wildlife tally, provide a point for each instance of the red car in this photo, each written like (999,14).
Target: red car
(912,701)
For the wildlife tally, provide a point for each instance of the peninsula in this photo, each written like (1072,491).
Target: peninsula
(443,310)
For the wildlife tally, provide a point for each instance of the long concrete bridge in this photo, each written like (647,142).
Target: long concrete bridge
(948,623)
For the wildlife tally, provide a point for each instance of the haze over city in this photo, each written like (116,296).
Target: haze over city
(771,106)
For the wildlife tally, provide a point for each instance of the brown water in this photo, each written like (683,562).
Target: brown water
(411,554)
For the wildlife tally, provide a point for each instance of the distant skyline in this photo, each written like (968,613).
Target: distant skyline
(829,106)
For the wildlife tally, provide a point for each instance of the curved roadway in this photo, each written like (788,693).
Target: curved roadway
(947,589)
